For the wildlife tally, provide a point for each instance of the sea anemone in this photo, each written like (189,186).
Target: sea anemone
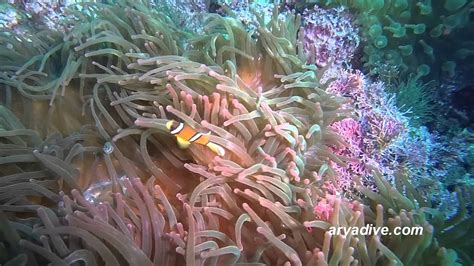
(103,182)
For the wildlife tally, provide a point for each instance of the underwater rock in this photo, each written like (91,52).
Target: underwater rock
(469,158)
(462,101)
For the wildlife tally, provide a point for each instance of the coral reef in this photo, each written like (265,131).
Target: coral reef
(414,35)
(89,172)
(43,14)
(329,36)
(188,15)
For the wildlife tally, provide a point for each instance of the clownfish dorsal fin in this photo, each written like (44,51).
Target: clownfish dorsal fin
(182,143)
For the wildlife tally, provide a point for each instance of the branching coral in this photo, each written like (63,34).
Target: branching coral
(120,191)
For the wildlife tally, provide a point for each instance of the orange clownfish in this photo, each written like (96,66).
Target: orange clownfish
(186,135)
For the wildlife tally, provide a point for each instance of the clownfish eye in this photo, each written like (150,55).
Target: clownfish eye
(174,125)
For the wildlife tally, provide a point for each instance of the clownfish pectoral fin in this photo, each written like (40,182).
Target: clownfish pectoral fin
(183,144)
(216,148)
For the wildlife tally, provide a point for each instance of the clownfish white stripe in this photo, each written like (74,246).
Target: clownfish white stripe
(195,137)
(177,129)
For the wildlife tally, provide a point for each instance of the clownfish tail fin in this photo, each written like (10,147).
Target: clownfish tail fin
(216,148)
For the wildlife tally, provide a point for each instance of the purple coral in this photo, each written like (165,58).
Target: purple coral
(330,36)
(9,18)
(41,14)
(369,135)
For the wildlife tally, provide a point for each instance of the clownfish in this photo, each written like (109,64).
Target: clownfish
(185,135)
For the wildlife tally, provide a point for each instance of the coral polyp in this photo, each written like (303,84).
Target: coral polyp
(91,174)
